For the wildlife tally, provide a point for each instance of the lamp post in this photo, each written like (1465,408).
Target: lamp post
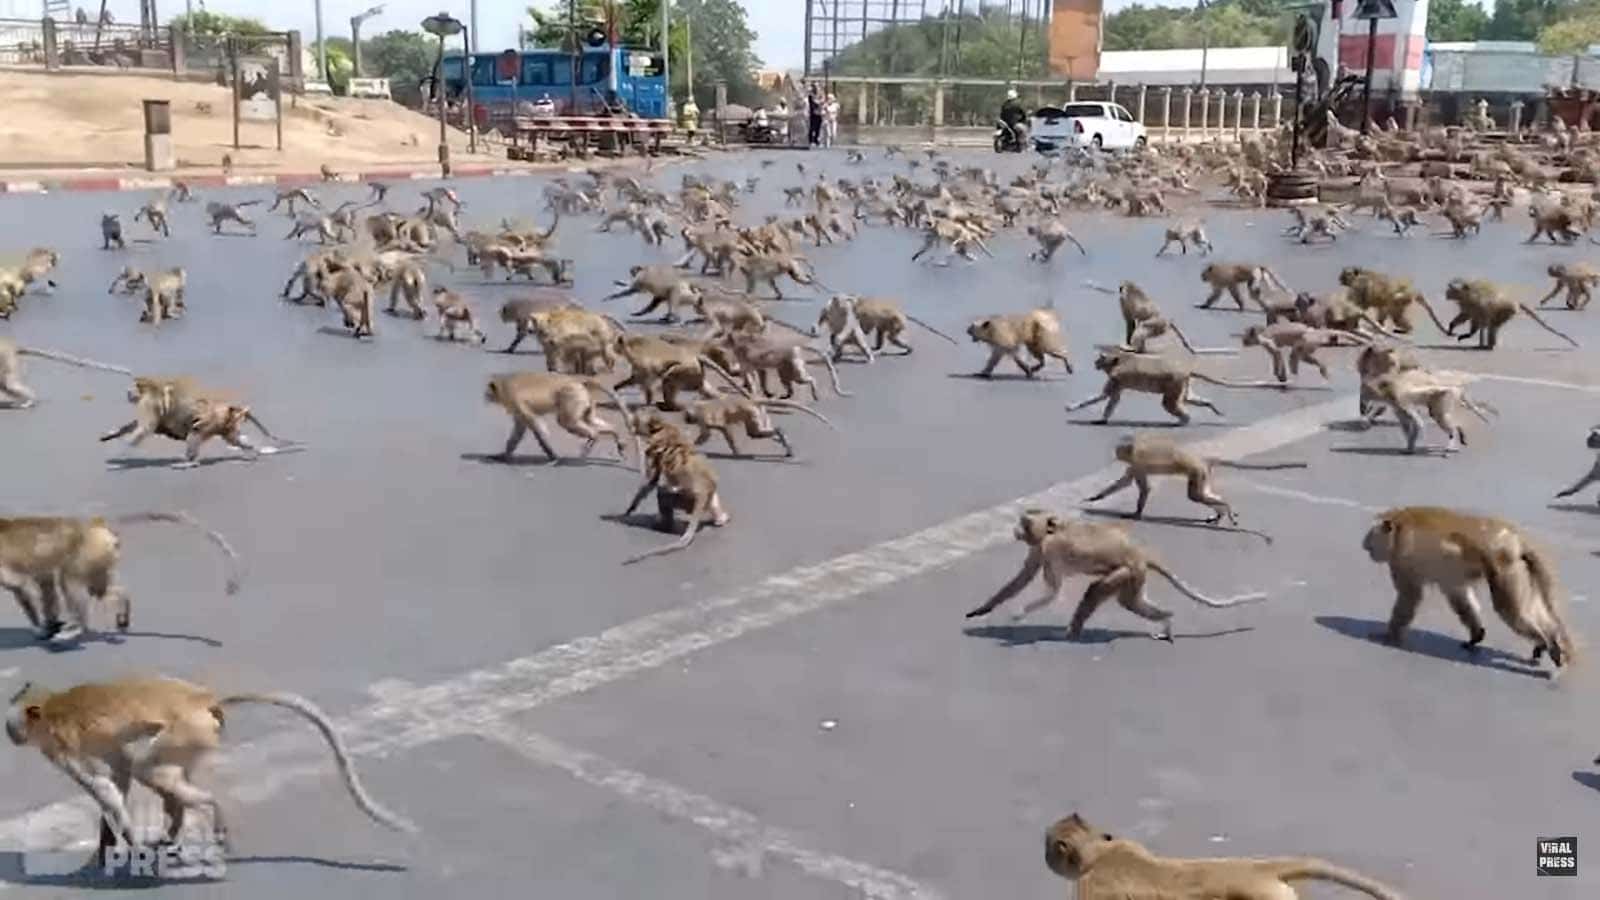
(442,26)
(322,48)
(1205,41)
(355,36)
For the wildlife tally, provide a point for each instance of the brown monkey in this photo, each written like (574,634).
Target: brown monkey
(682,480)
(11,384)
(1406,389)
(153,730)
(1153,375)
(1375,361)
(155,212)
(1231,277)
(291,196)
(353,293)
(1555,221)
(850,318)
(1184,234)
(1332,310)
(1147,455)
(1577,279)
(1107,554)
(1402,218)
(577,340)
(723,414)
(111,232)
(79,555)
(1108,868)
(1389,297)
(665,285)
(520,311)
(407,282)
(180,409)
(1051,234)
(1425,545)
(328,174)
(1142,319)
(1485,307)
(654,361)
(760,354)
(218,213)
(1300,341)
(455,313)
(1593,475)
(526,396)
(769,267)
(163,295)
(1038,331)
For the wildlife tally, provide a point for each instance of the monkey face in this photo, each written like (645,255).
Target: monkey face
(1035,525)
(1124,448)
(491,392)
(1349,274)
(1456,289)
(1593,442)
(1378,540)
(1209,272)
(1062,842)
(23,713)
(1557,271)
(1105,362)
(980,330)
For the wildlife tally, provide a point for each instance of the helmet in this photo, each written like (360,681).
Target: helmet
(1011,93)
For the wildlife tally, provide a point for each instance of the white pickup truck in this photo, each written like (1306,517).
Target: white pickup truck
(1103,126)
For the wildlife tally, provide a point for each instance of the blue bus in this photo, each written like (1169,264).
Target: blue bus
(515,79)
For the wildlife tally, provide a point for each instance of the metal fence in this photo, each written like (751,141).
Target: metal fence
(44,42)
(21,42)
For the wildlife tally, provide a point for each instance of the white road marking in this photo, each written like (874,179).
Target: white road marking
(483,699)
(1539,382)
(746,841)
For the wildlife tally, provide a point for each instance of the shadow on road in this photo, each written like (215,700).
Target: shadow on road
(1422,452)
(1147,423)
(1178,521)
(320,863)
(1592,509)
(1022,635)
(1432,643)
(1361,426)
(1587,779)
(520,461)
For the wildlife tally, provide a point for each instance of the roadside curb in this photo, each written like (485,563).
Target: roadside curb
(147,183)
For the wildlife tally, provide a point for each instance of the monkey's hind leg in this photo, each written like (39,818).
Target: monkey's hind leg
(1466,608)
(1129,588)
(170,782)
(1201,491)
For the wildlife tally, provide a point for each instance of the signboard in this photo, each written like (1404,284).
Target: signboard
(258,89)
(638,64)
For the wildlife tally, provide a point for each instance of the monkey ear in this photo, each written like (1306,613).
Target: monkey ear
(1106,837)
(33,713)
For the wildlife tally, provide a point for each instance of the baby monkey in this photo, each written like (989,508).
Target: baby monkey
(1119,568)
(682,479)
(1146,455)
(1593,475)
(1109,868)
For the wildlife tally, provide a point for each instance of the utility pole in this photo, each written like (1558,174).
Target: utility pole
(1205,41)
(322,48)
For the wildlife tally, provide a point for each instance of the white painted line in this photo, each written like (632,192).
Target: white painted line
(1539,382)
(402,719)
(747,841)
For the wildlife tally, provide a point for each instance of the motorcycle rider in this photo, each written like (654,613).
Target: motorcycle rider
(1012,113)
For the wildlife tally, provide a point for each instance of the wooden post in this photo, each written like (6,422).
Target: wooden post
(1255,111)
(1205,113)
(52,53)
(232,49)
(1166,113)
(1516,117)
(1140,113)
(1277,109)
(1188,97)
(1238,114)
(861,104)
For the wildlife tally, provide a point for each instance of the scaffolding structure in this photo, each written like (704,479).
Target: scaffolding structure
(833,26)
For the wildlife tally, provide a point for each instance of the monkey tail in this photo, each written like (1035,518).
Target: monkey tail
(73,360)
(1256,467)
(1546,325)
(732,382)
(1321,870)
(833,373)
(1198,597)
(790,404)
(247,203)
(1272,278)
(235,577)
(341,756)
(1428,308)
(550,232)
(1224,382)
(794,328)
(282,442)
(1181,338)
(911,318)
(1544,578)
(596,384)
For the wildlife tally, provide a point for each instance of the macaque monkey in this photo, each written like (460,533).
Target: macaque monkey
(439,196)
(1403,218)
(328,174)
(40,555)
(769,267)
(1373,362)
(455,313)
(1463,217)
(577,340)
(654,360)
(1577,279)
(1406,389)
(313,223)
(154,731)
(1555,221)
(526,396)
(525,262)
(727,412)
(1108,868)
(1146,455)
(1119,568)
(1231,277)
(1185,233)
(1299,341)
(1390,298)
(11,384)
(1425,545)
(520,311)
(227,164)
(1593,475)
(155,212)
(218,213)
(683,481)
(664,284)
(407,282)
(379,191)
(111,232)
(163,295)
(760,354)
(181,192)
(1051,234)
(850,318)
(961,238)
(1153,375)
(1038,331)
(1142,319)
(1485,307)
(352,292)
(183,410)
(292,196)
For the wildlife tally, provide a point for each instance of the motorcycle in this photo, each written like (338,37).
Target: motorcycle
(1010,139)
(761,130)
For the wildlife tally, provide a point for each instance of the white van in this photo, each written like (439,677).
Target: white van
(1104,126)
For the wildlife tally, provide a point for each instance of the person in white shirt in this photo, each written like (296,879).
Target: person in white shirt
(830,121)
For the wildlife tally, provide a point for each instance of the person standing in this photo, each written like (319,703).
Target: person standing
(830,121)
(814,109)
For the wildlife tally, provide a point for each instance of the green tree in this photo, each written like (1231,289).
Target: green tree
(1456,20)
(218,23)
(403,57)
(1229,23)
(1522,20)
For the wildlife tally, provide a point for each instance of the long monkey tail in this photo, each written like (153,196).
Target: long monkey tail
(341,756)
(1320,870)
(1198,597)
(71,360)
(235,577)
(833,373)
(790,404)
(596,384)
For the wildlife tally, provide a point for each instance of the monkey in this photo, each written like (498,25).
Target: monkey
(1184,234)
(1403,218)
(328,174)
(1300,341)
(218,213)
(1231,276)
(1051,234)
(525,396)
(1555,221)
(181,192)
(227,164)
(849,318)
(1038,331)
(163,295)
(576,340)
(379,191)
(1325,222)
(154,731)
(292,196)
(313,223)
(1404,389)
(682,480)
(1147,455)
(1463,216)
(408,281)
(674,365)
(1486,309)
(1372,362)
(40,553)
(181,409)
(520,311)
(729,313)
(665,285)
(723,414)
(1390,298)
(1593,475)
(111,232)
(1142,319)
(794,196)
(352,292)
(130,280)
(760,354)
(1452,549)
(439,196)
(1153,375)
(1118,566)
(1107,868)
(455,313)
(11,384)
(1577,279)
(769,267)
(155,212)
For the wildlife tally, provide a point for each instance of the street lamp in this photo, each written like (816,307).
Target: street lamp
(444,25)
(355,35)
(1205,40)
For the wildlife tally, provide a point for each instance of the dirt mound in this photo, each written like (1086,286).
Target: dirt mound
(90,120)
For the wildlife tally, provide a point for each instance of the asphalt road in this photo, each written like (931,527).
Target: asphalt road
(796,708)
